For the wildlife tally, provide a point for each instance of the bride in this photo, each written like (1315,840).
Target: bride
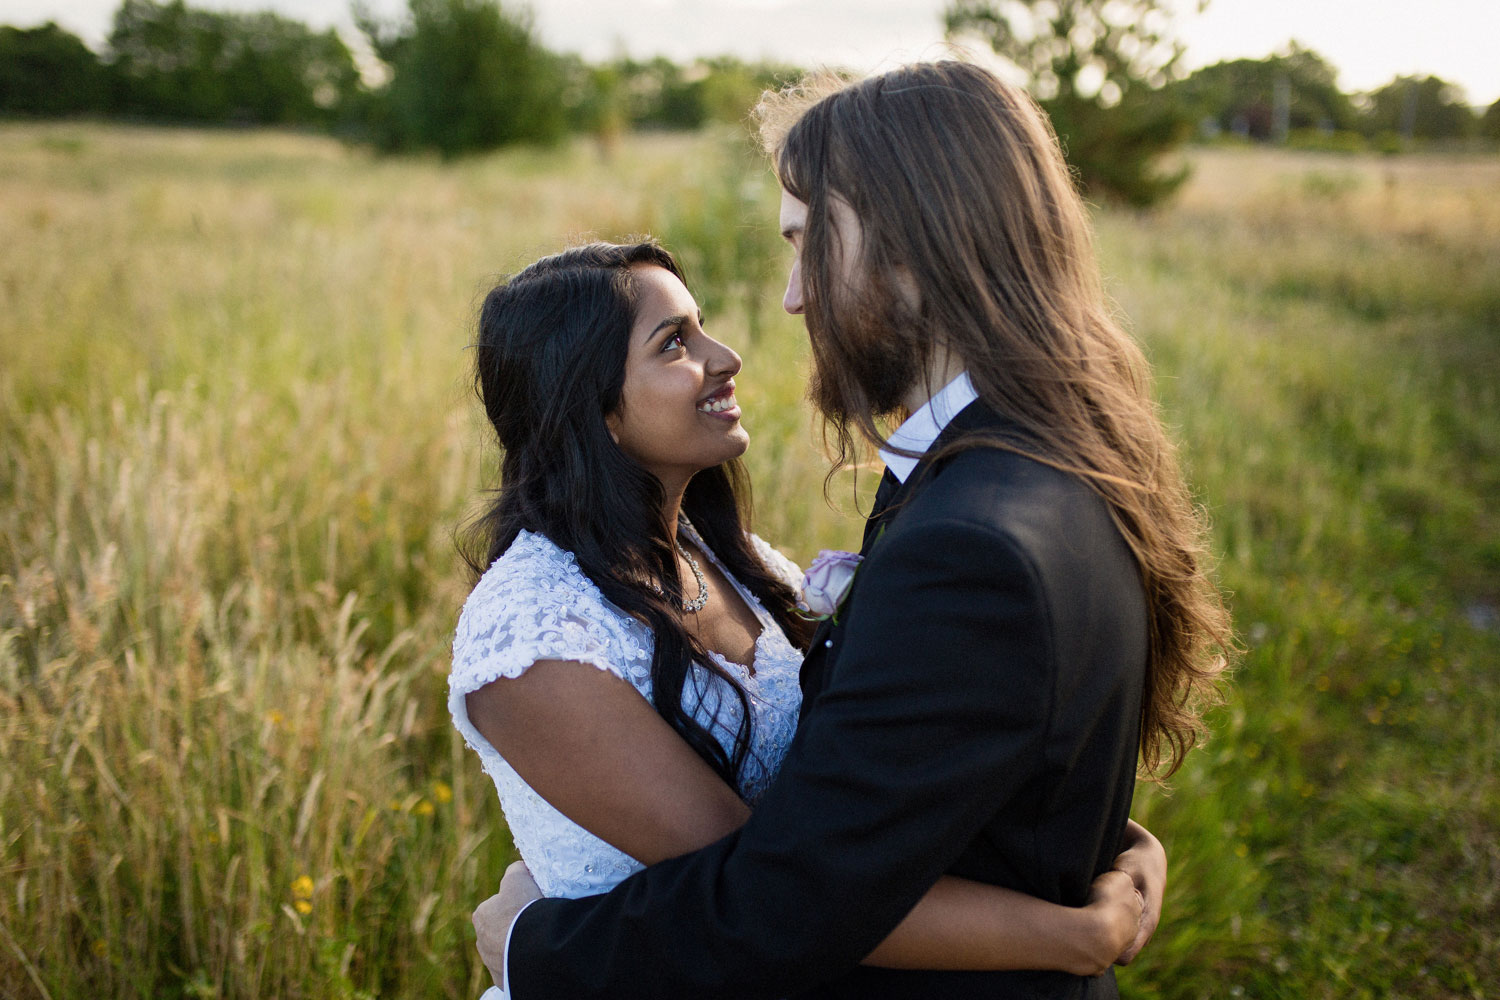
(627,665)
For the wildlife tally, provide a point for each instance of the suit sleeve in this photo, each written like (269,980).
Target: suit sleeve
(934,716)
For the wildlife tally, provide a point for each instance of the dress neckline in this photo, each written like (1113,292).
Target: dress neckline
(761,615)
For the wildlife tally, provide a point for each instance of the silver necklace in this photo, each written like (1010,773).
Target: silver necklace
(696,604)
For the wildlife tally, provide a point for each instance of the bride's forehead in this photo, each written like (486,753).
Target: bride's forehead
(660,293)
(649,278)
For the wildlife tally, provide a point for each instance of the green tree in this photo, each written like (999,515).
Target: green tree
(466,75)
(1420,108)
(1093,65)
(659,93)
(595,99)
(1239,95)
(47,71)
(163,57)
(279,71)
(731,87)
(179,62)
(1489,125)
(604,100)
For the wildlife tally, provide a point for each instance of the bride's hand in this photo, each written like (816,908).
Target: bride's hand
(1145,861)
(493,917)
(1115,908)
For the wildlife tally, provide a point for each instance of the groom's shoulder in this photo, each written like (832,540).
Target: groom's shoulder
(1049,518)
(994,485)
(986,469)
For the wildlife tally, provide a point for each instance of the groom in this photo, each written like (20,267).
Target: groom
(975,707)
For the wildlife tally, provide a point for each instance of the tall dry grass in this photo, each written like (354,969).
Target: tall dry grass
(238,440)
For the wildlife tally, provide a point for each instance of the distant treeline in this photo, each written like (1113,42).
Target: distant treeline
(464,75)
(1292,97)
(453,75)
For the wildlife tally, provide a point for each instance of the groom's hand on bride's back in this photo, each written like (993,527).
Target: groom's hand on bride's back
(493,917)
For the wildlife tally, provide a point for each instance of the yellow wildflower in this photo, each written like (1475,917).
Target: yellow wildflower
(274,717)
(423,808)
(302,887)
(303,907)
(442,792)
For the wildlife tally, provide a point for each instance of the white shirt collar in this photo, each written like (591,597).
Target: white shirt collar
(922,428)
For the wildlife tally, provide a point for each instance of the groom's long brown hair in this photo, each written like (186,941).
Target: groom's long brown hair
(963,198)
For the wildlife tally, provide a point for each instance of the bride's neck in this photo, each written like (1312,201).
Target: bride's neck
(672,508)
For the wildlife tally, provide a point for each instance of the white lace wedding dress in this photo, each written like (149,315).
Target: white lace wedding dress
(534,603)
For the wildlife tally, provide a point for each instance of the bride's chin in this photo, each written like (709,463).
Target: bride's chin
(736,450)
(742,439)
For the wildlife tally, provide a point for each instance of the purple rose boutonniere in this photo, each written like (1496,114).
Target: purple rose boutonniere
(826,584)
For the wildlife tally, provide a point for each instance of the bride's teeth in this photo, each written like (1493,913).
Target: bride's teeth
(718,405)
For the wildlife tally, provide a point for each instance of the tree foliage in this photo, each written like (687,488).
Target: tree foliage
(466,75)
(47,71)
(1093,65)
(1239,95)
(1421,108)
(1489,125)
(659,93)
(173,61)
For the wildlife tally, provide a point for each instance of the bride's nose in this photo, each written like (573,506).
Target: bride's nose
(723,362)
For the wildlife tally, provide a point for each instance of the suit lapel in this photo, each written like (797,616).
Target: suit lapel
(811,676)
(892,495)
(889,487)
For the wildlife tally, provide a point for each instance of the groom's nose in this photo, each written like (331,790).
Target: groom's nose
(792,300)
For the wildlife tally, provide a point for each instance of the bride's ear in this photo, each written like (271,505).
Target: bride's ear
(611,423)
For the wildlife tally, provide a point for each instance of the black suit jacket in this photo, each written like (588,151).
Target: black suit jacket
(975,711)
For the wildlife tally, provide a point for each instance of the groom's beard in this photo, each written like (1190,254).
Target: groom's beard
(866,356)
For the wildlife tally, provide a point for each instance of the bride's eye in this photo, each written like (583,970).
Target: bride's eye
(673,343)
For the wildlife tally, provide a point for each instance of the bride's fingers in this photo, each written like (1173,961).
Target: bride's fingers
(1145,927)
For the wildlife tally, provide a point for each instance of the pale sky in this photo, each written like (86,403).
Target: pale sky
(1368,41)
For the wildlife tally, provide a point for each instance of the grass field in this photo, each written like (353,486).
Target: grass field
(236,438)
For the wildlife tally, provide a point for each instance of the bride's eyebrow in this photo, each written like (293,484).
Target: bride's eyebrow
(670,321)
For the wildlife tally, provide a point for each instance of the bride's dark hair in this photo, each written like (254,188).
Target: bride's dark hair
(549,365)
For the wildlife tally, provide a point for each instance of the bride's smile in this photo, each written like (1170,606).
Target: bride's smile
(721,403)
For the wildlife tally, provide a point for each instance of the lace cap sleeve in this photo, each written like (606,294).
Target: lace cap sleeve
(780,566)
(534,604)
